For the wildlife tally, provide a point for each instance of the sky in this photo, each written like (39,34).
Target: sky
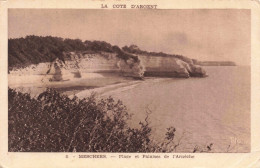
(203,34)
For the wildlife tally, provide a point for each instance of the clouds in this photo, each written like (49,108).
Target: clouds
(177,39)
(201,34)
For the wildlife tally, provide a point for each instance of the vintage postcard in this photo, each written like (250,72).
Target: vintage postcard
(129,83)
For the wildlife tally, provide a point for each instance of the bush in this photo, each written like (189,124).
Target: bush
(54,123)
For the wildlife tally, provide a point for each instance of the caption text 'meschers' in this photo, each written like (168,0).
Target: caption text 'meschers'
(131,6)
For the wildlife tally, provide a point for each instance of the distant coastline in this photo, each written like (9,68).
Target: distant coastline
(217,63)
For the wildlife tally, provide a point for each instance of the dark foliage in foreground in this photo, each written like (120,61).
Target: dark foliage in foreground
(52,122)
(55,123)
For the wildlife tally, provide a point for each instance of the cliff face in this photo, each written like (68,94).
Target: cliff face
(76,63)
(103,63)
(57,59)
(170,67)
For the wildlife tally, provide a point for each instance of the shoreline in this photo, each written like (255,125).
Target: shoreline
(34,84)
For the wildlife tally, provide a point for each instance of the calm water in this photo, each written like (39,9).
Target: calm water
(208,110)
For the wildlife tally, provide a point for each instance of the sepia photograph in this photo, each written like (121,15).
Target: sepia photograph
(129,80)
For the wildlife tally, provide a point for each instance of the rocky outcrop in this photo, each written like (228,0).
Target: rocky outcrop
(59,71)
(197,71)
(170,67)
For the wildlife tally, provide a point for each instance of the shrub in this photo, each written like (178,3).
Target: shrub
(52,122)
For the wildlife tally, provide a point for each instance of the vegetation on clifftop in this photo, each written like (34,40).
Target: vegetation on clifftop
(37,49)
(133,49)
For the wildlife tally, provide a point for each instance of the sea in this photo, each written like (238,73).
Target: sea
(213,110)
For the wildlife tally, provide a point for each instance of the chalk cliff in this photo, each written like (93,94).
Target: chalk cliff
(75,63)
(170,67)
(57,59)
(161,64)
